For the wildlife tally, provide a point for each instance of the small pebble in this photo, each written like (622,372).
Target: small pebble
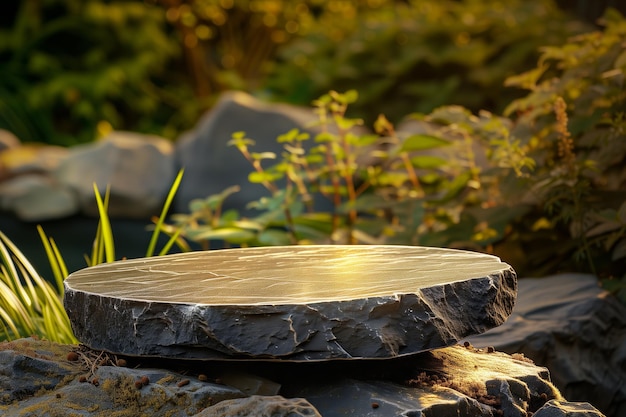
(203,377)
(72,356)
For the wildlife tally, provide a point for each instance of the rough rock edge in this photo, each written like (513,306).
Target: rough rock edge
(100,371)
(377,327)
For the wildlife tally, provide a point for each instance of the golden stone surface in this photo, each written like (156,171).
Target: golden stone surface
(283,275)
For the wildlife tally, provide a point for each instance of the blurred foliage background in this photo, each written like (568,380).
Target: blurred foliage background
(539,85)
(71,69)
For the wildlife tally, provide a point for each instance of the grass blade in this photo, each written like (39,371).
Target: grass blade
(106,234)
(164,211)
(59,270)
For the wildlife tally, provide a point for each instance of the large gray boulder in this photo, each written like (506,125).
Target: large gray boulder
(138,168)
(27,185)
(574,328)
(37,197)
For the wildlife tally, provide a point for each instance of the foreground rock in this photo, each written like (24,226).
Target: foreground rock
(574,328)
(43,379)
(290,303)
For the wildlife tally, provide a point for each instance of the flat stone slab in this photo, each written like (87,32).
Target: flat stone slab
(290,303)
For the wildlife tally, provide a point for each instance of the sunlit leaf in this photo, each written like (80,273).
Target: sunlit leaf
(258,156)
(274,237)
(106,232)
(229,234)
(428,162)
(421,142)
(264,176)
(164,211)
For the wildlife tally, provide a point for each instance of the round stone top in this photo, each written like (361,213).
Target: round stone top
(292,303)
(283,275)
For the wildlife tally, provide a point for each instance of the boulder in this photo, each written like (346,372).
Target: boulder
(261,406)
(138,168)
(27,187)
(555,408)
(574,328)
(35,197)
(459,381)
(44,379)
(8,140)
(295,303)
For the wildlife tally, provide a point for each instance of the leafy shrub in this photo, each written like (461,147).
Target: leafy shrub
(412,56)
(542,186)
(573,124)
(67,66)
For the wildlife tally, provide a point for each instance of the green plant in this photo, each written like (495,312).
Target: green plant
(542,186)
(69,69)
(417,55)
(574,124)
(376,188)
(31,305)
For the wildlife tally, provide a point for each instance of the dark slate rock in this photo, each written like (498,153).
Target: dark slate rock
(574,328)
(25,371)
(290,303)
(109,390)
(375,398)
(554,408)
(261,406)
(455,381)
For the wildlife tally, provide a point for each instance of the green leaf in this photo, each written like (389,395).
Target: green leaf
(59,269)
(164,211)
(346,124)
(428,162)
(421,142)
(367,203)
(258,156)
(106,234)
(288,137)
(619,251)
(274,237)
(351,96)
(229,234)
(527,80)
(325,137)
(264,176)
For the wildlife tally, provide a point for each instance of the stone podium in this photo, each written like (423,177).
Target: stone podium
(293,303)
